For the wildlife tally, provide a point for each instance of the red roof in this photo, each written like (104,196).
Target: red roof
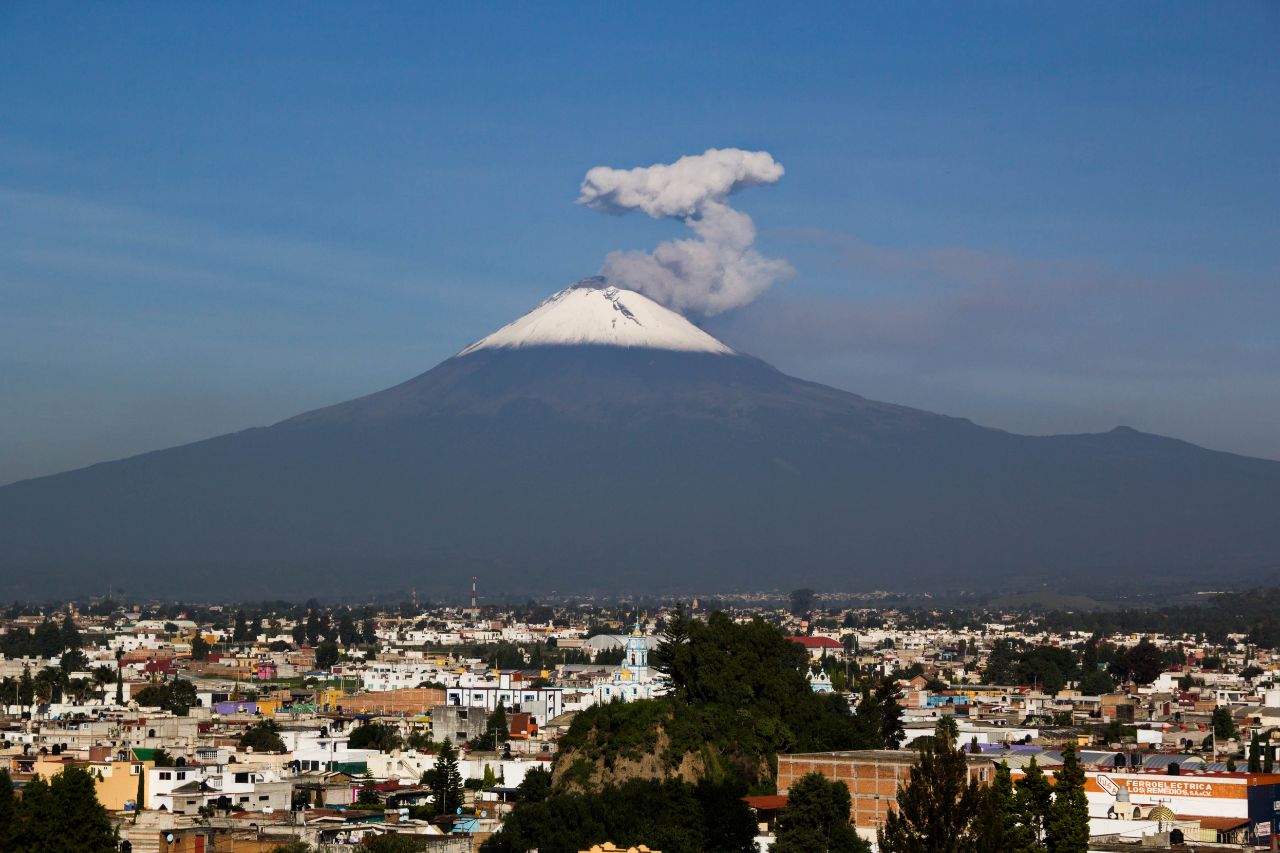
(767,802)
(817,642)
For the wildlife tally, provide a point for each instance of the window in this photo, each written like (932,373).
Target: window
(244,799)
(264,798)
(182,774)
(165,774)
(135,769)
(244,777)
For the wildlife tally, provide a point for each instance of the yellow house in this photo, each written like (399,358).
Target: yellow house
(115,782)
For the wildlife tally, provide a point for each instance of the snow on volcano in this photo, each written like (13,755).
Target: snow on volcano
(591,313)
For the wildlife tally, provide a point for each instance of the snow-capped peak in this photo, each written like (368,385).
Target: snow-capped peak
(592,313)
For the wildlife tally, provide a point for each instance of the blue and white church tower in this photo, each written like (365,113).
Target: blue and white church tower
(632,679)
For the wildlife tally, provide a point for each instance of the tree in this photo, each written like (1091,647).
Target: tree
(496,730)
(447,790)
(8,806)
(891,731)
(26,687)
(62,815)
(816,819)
(241,632)
(671,657)
(1034,796)
(801,601)
(83,822)
(375,736)
(369,792)
(1141,664)
(1096,682)
(347,633)
(1000,664)
(937,804)
(1255,753)
(1067,823)
(327,654)
(263,736)
(998,825)
(177,696)
(70,634)
(1224,725)
(48,640)
(199,648)
(536,786)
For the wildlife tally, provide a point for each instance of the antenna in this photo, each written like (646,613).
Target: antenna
(474,609)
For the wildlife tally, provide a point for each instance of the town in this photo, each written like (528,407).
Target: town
(291,727)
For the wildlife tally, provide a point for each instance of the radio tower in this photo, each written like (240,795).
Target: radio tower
(475,611)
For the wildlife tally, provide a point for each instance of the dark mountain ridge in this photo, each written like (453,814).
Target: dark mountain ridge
(606,468)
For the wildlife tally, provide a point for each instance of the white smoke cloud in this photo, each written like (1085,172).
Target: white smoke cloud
(716,270)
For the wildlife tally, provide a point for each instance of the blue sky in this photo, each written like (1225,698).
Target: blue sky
(1047,218)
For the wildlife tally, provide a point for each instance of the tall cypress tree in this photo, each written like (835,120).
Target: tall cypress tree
(1067,824)
(1255,753)
(447,785)
(937,805)
(1034,796)
(891,731)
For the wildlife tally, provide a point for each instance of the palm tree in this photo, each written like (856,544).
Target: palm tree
(102,676)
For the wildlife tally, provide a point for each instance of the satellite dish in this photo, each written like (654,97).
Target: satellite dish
(484,813)
(459,809)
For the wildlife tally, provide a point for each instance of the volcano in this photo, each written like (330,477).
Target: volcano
(602,443)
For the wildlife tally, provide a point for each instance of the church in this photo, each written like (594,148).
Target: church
(633,679)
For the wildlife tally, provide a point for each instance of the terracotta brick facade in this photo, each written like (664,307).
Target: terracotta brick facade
(872,777)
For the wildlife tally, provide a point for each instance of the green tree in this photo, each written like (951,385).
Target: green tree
(937,804)
(1255,753)
(891,731)
(83,822)
(816,819)
(8,806)
(1067,823)
(70,634)
(496,730)
(263,736)
(1096,682)
(447,789)
(998,825)
(1034,796)
(375,736)
(671,657)
(241,632)
(62,815)
(1224,725)
(199,648)
(177,696)
(327,654)
(536,786)
(1000,664)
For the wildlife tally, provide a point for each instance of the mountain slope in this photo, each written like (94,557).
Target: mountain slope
(546,466)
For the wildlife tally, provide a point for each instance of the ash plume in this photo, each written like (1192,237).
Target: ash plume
(718,268)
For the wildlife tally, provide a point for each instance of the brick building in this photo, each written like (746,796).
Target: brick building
(872,776)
